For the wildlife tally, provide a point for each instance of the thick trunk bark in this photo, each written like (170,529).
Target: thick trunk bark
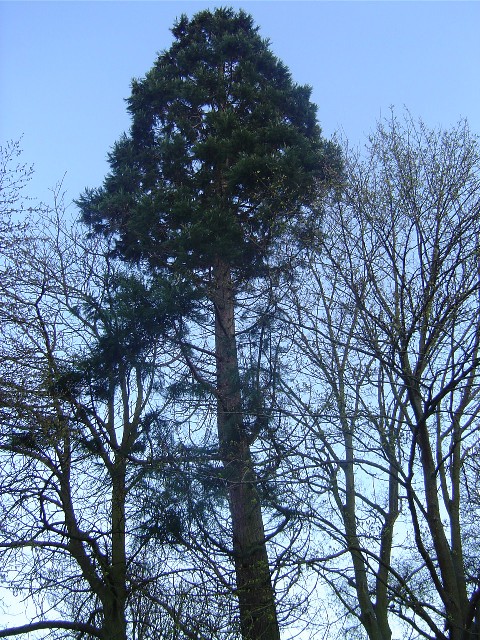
(114,626)
(114,607)
(256,597)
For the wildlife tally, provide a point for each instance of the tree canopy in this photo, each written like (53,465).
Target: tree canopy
(224,148)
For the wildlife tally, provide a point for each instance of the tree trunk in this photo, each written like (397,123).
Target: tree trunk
(368,614)
(114,627)
(453,591)
(258,616)
(114,607)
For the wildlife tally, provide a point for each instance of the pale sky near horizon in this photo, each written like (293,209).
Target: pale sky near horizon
(65,69)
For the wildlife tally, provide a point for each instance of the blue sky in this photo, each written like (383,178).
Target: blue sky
(65,69)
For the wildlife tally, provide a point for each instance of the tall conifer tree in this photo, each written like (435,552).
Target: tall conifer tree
(223,151)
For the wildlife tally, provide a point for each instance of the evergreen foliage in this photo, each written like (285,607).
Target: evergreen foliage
(224,148)
(223,155)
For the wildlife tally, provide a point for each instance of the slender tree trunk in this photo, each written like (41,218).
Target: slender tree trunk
(453,592)
(258,616)
(111,591)
(368,615)
(386,541)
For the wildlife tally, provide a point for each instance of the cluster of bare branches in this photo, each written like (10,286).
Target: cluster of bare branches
(359,371)
(385,325)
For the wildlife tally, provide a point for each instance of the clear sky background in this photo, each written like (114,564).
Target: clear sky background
(65,69)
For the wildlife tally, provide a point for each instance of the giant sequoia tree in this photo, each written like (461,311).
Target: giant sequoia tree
(224,150)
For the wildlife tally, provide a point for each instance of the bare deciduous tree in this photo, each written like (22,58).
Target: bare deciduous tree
(387,323)
(84,431)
